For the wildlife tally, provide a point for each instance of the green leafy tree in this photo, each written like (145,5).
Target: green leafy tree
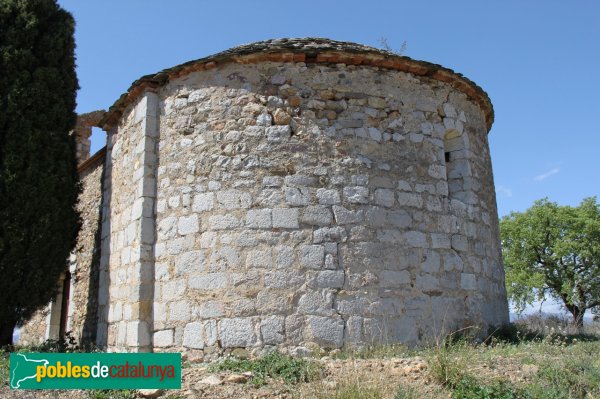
(554,250)
(38,175)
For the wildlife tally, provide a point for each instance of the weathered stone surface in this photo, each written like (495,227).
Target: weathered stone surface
(203,202)
(311,256)
(286,218)
(193,336)
(207,282)
(163,338)
(276,134)
(188,225)
(346,216)
(280,187)
(272,330)
(384,197)
(357,195)
(259,219)
(327,332)
(328,197)
(316,215)
(234,199)
(237,332)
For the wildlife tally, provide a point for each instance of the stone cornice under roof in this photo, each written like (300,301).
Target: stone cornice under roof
(307,50)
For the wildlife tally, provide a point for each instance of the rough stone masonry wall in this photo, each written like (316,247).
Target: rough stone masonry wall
(83,265)
(127,262)
(302,204)
(85,259)
(34,331)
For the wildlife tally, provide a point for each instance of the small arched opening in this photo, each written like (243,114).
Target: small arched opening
(457,164)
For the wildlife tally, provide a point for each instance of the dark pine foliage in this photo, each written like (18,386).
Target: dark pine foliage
(38,171)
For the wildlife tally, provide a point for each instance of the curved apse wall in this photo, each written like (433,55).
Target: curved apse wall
(296,193)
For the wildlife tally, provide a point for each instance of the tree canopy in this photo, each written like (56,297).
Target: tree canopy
(554,250)
(38,175)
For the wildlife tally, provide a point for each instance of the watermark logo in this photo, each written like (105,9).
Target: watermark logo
(95,370)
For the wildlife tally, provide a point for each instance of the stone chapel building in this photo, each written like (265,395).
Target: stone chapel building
(290,193)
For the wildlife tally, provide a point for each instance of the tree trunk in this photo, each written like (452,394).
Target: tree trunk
(577,316)
(6,332)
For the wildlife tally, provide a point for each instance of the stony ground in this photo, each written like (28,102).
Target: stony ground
(382,377)
(530,365)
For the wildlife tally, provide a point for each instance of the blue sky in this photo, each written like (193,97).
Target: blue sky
(538,61)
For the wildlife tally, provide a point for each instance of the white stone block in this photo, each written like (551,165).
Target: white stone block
(223,222)
(258,219)
(188,224)
(326,331)
(297,196)
(193,336)
(330,279)
(394,278)
(284,256)
(284,279)
(316,303)
(259,258)
(346,216)
(311,256)
(163,338)
(236,333)
(272,330)
(179,311)
(286,218)
(328,196)
(317,215)
(188,262)
(330,234)
(209,309)
(234,199)
(203,202)
(208,282)
(357,195)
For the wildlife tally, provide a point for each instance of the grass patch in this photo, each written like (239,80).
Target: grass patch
(350,390)
(470,388)
(407,393)
(561,366)
(572,378)
(447,361)
(273,365)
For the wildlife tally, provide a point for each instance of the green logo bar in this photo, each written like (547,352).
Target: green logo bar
(95,370)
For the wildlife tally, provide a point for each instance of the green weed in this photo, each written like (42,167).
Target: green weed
(274,365)
(470,388)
